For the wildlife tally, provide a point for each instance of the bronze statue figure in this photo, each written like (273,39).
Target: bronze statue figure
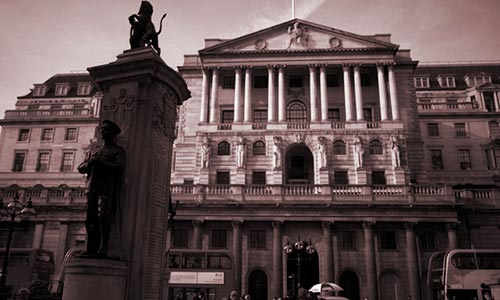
(104,168)
(142,31)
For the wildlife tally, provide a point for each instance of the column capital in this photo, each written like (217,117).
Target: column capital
(410,226)
(346,67)
(238,67)
(312,66)
(197,222)
(450,226)
(212,68)
(277,223)
(237,223)
(368,225)
(248,67)
(356,67)
(327,225)
(272,67)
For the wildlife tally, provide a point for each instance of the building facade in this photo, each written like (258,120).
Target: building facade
(298,134)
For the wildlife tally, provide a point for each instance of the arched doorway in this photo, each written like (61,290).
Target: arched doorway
(349,281)
(257,285)
(302,268)
(390,287)
(299,165)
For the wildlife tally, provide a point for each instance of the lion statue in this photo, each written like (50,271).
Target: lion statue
(142,31)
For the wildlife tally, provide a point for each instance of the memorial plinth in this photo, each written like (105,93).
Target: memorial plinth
(141,94)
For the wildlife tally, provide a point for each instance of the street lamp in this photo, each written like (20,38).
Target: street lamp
(299,247)
(14,211)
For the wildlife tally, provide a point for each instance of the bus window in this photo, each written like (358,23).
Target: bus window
(464,261)
(218,261)
(174,261)
(489,261)
(193,261)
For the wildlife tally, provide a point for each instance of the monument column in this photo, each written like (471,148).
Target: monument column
(371,270)
(348,93)
(324,93)
(358,91)
(327,237)
(237,254)
(214,102)
(277,278)
(238,104)
(281,95)
(204,96)
(248,95)
(393,93)
(451,228)
(382,92)
(197,234)
(271,94)
(411,256)
(313,93)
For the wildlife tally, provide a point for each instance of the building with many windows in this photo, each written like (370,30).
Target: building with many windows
(297,136)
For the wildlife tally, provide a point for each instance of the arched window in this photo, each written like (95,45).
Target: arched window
(375,147)
(259,148)
(339,147)
(223,148)
(296,112)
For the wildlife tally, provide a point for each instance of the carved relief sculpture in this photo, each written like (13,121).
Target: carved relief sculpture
(104,168)
(395,152)
(142,30)
(322,159)
(358,152)
(205,152)
(277,153)
(298,36)
(240,152)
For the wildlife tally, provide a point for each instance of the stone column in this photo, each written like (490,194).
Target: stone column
(358,91)
(37,236)
(238,101)
(204,96)
(328,264)
(281,95)
(248,95)
(61,244)
(237,254)
(214,101)
(277,278)
(451,229)
(411,256)
(313,93)
(271,94)
(393,93)
(348,93)
(371,270)
(382,93)
(197,234)
(324,93)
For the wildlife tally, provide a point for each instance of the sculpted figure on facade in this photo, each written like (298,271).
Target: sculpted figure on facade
(395,152)
(298,36)
(277,153)
(104,167)
(322,159)
(205,152)
(359,151)
(240,152)
(142,29)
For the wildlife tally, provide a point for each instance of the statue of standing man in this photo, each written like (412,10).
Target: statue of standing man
(104,167)
(359,151)
(205,152)
(240,152)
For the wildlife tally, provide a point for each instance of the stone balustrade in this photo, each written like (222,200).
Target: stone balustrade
(48,113)
(46,196)
(445,106)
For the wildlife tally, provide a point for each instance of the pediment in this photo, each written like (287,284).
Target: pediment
(298,35)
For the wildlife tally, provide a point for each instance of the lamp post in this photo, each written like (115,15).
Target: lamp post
(13,212)
(299,247)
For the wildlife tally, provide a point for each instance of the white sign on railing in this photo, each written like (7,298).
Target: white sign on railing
(196,278)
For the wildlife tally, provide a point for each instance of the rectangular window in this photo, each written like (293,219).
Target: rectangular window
(432,129)
(258,239)
(71,134)
(295,81)
(228,82)
(61,89)
(218,238)
(24,135)
(367,114)
(340,177)
(227,116)
(387,240)
(489,101)
(348,240)
(460,129)
(464,159)
(39,90)
(378,177)
(428,241)
(436,159)
(334,115)
(180,238)
(47,134)
(332,80)
(258,177)
(365,80)
(260,82)
(421,82)
(496,153)
(42,164)
(260,116)
(83,89)
(19,158)
(447,81)
(222,177)
(67,161)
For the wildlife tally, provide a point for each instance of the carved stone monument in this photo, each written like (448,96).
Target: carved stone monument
(140,96)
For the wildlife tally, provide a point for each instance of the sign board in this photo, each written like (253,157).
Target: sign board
(196,278)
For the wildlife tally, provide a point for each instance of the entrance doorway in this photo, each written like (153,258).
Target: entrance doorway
(349,281)
(390,287)
(299,163)
(257,285)
(301,268)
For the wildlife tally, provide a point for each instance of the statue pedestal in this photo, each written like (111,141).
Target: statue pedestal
(95,279)
(276,176)
(323,176)
(240,176)
(141,94)
(203,176)
(398,176)
(361,176)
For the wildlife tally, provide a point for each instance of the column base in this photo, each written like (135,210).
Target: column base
(96,279)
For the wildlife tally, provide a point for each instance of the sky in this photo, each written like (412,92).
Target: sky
(39,38)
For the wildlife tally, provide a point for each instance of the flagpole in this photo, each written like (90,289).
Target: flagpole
(293,9)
